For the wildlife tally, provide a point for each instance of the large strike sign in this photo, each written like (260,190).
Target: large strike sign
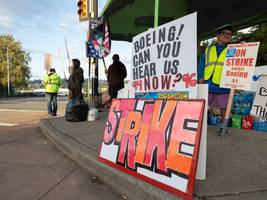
(239,65)
(155,140)
(164,58)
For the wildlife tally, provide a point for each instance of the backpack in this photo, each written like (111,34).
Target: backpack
(76,109)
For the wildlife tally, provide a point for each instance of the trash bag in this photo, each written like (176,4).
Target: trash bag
(76,109)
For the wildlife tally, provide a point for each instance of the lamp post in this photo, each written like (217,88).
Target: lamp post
(7,61)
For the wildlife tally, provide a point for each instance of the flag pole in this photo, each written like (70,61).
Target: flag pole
(62,65)
(68,55)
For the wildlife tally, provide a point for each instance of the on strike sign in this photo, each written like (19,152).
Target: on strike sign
(164,58)
(239,66)
(155,140)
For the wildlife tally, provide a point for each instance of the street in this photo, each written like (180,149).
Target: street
(31,168)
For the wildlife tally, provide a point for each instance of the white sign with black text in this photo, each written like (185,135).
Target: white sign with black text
(165,58)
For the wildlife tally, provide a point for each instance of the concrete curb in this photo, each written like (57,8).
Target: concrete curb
(125,184)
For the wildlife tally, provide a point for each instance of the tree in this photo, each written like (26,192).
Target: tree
(18,62)
(257,33)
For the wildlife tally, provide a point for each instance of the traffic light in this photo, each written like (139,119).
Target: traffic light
(83,11)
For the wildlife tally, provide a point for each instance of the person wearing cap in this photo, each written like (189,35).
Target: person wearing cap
(116,74)
(210,69)
(52,83)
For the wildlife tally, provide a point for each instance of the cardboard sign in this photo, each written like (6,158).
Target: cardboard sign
(155,140)
(239,66)
(258,72)
(47,61)
(164,58)
(259,107)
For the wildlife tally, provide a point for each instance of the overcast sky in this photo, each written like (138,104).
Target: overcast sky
(42,25)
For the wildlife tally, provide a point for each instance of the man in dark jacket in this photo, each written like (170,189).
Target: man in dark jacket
(116,74)
(76,79)
(76,109)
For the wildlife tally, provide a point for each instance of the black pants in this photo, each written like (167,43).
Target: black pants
(51,103)
(113,93)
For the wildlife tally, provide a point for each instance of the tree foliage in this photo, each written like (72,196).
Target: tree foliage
(256,34)
(18,63)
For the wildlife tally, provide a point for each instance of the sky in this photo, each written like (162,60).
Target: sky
(42,25)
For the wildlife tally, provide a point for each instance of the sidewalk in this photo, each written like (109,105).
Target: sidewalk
(236,164)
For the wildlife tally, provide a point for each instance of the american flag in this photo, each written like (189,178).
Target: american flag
(106,40)
(99,40)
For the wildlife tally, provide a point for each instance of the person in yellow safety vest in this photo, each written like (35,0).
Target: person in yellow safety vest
(52,83)
(210,69)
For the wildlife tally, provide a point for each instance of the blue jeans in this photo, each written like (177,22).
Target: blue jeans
(51,103)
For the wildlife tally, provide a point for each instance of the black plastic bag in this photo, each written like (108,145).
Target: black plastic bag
(76,109)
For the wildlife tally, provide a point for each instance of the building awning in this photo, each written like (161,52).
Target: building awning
(128,18)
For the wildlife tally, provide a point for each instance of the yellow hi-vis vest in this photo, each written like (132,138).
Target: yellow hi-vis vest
(214,64)
(52,83)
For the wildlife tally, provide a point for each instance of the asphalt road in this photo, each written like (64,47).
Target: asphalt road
(32,104)
(31,168)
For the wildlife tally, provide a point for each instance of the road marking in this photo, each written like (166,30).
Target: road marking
(15,110)
(8,124)
(31,102)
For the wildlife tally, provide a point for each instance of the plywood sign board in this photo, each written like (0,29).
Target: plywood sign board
(156,141)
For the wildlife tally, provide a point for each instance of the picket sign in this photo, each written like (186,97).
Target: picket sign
(164,59)
(156,141)
(238,71)
(259,81)
(47,62)
(202,93)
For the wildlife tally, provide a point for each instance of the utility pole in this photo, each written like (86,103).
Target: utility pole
(86,12)
(8,79)
(94,15)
